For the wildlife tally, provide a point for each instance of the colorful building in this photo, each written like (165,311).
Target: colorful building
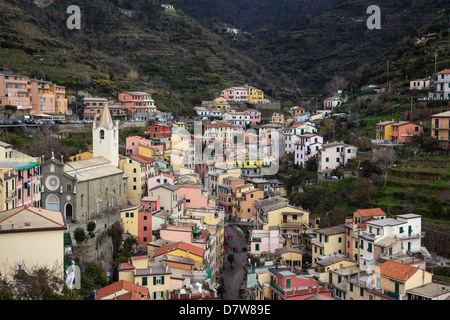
(137,101)
(37,236)
(384,130)
(288,284)
(328,241)
(440,128)
(255,95)
(404,131)
(235,94)
(158,131)
(154,276)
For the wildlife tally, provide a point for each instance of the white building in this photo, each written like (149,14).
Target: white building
(388,238)
(238,119)
(442,84)
(306,147)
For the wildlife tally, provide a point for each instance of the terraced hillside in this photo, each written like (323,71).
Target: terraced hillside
(420,185)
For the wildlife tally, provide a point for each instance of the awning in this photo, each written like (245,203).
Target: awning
(28,166)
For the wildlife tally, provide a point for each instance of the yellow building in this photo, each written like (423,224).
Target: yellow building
(277,212)
(136,173)
(31,237)
(329,240)
(61,106)
(277,117)
(82,156)
(262,288)
(221,104)
(255,95)
(384,130)
(291,256)
(153,275)
(129,216)
(214,223)
(184,250)
(7,189)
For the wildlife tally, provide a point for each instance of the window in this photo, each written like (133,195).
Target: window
(327,159)
(340,239)
(159,280)
(351,287)
(102,134)
(361,292)
(144,281)
(257,247)
(288,283)
(369,247)
(401,230)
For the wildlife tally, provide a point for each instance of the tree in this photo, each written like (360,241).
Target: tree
(78,105)
(90,226)
(93,278)
(230,259)
(39,282)
(384,159)
(363,192)
(429,144)
(6,289)
(221,289)
(79,235)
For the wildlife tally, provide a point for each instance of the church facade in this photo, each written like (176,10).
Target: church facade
(85,189)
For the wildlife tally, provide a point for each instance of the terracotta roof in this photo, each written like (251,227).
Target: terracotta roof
(122,290)
(396,270)
(180,246)
(140,158)
(125,266)
(27,218)
(444,71)
(371,212)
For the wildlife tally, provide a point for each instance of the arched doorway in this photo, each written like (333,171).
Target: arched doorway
(52,202)
(68,211)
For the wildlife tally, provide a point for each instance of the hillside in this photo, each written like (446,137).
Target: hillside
(308,42)
(130,45)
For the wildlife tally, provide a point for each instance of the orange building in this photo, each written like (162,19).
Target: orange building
(403,131)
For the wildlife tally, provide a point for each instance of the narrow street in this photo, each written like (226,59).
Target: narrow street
(233,277)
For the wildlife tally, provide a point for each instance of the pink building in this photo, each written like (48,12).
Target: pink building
(235,94)
(137,101)
(265,241)
(287,284)
(187,233)
(194,197)
(160,179)
(255,116)
(404,131)
(133,143)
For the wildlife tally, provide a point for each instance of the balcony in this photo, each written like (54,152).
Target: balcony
(11,195)
(411,236)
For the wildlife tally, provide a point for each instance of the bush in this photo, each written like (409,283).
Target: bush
(79,235)
(91,226)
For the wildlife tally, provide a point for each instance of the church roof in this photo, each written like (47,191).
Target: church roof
(105,118)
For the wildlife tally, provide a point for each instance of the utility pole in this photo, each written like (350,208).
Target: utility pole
(411,115)
(435,61)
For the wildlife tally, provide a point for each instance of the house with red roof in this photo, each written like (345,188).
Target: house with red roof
(31,236)
(123,290)
(395,278)
(184,250)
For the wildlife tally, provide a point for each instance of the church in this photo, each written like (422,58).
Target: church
(85,189)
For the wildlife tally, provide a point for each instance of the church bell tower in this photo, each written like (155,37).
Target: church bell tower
(105,137)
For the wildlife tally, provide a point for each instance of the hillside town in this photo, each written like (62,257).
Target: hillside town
(196,208)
